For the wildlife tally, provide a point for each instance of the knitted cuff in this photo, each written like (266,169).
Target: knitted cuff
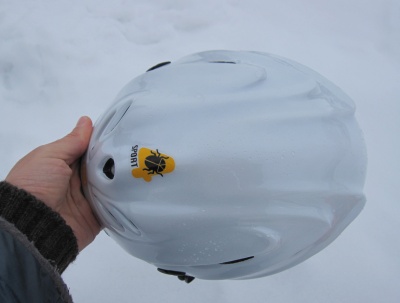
(45,228)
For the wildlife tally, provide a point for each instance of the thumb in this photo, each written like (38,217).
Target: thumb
(73,146)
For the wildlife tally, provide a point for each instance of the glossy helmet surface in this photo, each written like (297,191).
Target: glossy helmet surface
(226,165)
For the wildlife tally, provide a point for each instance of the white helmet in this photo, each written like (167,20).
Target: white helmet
(226,165)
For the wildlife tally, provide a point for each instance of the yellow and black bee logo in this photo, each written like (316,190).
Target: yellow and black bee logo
(148,163)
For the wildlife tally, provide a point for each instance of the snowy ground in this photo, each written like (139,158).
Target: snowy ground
(62,59)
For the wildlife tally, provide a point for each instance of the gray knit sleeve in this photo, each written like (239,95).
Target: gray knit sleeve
(45,228)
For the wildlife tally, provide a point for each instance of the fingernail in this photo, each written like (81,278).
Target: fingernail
(81,121)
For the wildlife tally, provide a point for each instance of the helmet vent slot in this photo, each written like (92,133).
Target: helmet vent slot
(158,66)
(238,260)
(117,117)
(109,169)
(221,61)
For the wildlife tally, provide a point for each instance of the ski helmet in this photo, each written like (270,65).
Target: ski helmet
(226,165)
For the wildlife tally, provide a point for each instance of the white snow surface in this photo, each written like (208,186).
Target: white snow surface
(63,59)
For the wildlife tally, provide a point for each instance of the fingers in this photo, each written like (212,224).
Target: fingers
(73,146)
(86,227)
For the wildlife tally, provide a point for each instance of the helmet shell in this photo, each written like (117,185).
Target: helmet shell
(226,165)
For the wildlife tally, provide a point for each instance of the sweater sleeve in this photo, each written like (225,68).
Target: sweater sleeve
(45,228)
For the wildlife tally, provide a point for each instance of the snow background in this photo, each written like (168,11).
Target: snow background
(63,59)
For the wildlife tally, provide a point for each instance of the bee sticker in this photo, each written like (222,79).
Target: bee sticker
(151,163)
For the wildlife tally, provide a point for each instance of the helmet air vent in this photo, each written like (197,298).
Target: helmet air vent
(238,260)
(221,61)
(109,169)
(117,117)
(158,66)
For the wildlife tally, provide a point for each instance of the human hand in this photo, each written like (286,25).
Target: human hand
(51,174)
